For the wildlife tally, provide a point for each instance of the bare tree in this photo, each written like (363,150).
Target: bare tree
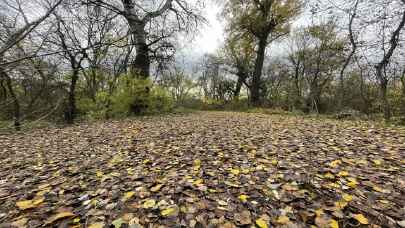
(151,26)
(383,63)
(21,33)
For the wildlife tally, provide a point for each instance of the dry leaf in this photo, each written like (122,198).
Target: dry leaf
(29,204)
(362,220)
(261,223)
(59,216)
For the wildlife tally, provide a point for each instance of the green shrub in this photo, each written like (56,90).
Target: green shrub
(94,109)
(160,101)
(138,97)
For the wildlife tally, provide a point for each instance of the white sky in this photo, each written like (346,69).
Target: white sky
(208,40)
(212,35)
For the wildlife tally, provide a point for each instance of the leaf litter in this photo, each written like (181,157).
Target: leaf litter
(207,169)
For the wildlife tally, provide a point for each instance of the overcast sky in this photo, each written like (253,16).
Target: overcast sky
(208,40)
(211,37)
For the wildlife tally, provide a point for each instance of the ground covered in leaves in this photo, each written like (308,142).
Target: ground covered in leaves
(209,169)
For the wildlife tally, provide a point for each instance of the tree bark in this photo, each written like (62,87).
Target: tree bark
(403,92)
(384,99)
(297,98)
(16,103)
(256,82)
(349,57)
(71,110)
(384,62)
(242,76)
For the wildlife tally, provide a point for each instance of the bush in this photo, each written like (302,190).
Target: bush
(160,101)
(94,110)
(139,97)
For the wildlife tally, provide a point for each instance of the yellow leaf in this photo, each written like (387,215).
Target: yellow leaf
(333,223)
(245,171)
(377,189)
(274,162)
(169,211)
(343,174)
(198,182)
(335,163)
(99,174)
(319,212)
(28,204)
(333,185)
(340,204)
(76,220)
(362,220)
(59,216)
(41,187)
(329,176)
(128,195)
(283,220)
(260,167)
(235,171)
(352,182)
(96,225)
(147,161)
(377,162)
(20,223)
(156,188)
(149,203)
(243,198)
(362,162)
(347,197)
(261,223)
(197,162)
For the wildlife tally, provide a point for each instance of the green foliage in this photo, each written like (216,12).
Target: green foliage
(160,101)
(131,97)
(94,109)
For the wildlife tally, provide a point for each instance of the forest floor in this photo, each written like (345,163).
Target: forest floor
(205,169)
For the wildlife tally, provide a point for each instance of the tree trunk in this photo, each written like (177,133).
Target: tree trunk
(348,59)
(255,88)
(403,93)
(394,41)
(16,103)
(241,79)
(70,113)
(141,65)
(297,98)
(383,94)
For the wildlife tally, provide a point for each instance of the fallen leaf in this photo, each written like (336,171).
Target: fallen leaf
(61,215)
(198,182)
(127,196)
(149,203)
(29,204)
(171,211)
(362,220)
(156,188)
(377,162)
(283,220)
(335,164)
(243,198)
(118,223)
(343,174)
(96,225)
(333,223)
(235,171)
(261,223)
(20,223)
(347,197)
